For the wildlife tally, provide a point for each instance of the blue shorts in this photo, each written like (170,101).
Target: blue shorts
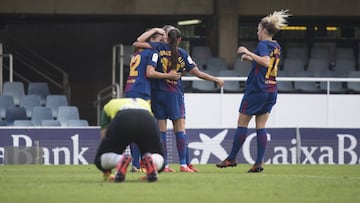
(257,103)
(167,105)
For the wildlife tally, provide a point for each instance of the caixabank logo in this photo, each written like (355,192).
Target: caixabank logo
(285,146)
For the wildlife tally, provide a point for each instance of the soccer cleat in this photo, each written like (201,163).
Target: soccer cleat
(193,168)
(226,163)
(186,169)
(256,169)
(151,170)
(121,168)
(168,169)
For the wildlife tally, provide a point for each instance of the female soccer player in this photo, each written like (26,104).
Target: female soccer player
(168,96)
(138,84)
(260,90)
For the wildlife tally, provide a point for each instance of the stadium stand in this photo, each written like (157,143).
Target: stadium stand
(216,64)
(66,113)
(50,123)
(203,86)
(231,86)
(306,86)
(29,102)
(23,123)
(5,102)
(15,113)
(15,89)
(354,87)
(54,101)
(77,123)
(41,113)
(39,88)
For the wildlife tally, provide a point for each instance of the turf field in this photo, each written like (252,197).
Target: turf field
(278,183)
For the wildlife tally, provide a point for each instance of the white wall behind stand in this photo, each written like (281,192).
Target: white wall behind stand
(291,110)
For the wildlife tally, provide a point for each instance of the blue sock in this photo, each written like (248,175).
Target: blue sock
(163,141)
(239,139)
(180,145)
(187,151)
(135,154)
(261,139)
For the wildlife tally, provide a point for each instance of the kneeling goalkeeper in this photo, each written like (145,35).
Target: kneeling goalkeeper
(125,121)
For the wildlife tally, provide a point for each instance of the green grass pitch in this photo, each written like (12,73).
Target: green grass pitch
(278,183)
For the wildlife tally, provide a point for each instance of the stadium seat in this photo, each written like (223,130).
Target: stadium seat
(215,64)
(344,53)
(29,102)
(201,63)
(54,101)
(345,65)
(5,102)
(354,86)
(66,113)
(77,123)
(292,66)
(285,86)
(243,68)
(335,87)
(128,52)
(15,89)
(318,65)
(15,113)
(50,123)
(41,113)
(39,88)
(203,52)
(23,123)
(306,86)
(204,86)
(231,86)
(3,123)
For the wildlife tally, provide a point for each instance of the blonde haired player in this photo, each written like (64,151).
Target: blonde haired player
(260,90)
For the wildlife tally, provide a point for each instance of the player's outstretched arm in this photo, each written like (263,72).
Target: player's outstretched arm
(196,72)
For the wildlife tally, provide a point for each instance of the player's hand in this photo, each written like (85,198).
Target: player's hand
(220,82)
(242,50)
(173,75)
(245,57)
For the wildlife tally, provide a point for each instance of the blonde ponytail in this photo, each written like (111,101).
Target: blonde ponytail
(273,22)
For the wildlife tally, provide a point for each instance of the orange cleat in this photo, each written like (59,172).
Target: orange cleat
(168,169)
(121,168)
(186,169)
(193,168)
(151,170)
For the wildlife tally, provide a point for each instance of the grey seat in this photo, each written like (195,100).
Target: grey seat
(39,88)
(77,123)
(23,123)
(5,102)
(41,113)
(204,86)
(67,113)
(15,89)
(50,123)
(285,86)
(231,86)
(29,102)
(216,64)
(306,86)
(15,113)
(293,66)
(54,101)
(354,86)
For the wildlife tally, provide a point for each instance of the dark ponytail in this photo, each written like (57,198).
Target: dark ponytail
(173,36)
